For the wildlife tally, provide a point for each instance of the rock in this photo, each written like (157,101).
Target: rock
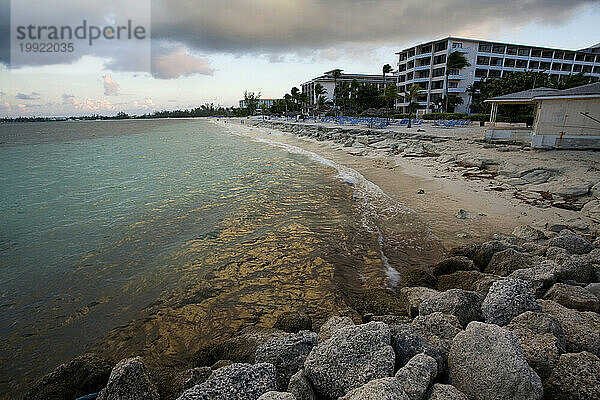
(507,299)
(287,354)
(300,387)
(444,326)
(85,374)
(540,278)
(277,396)
(389,319)
(469,251)
(418,278)
(571,190)
(444,392)
(486,362)
(236,382)
(352,357)
(221,364)
(576,376)
(293,322)
(594,288)
(378,389)
(571,242)
(580,327)
(465,280)
(408,341)
(463,304)
(464,214)
(129,380)
(592,209)
(537,176)
(333,325)
(542,340)
(573,297)
(527,232)
(379,302)
(413,296)
(417,375)
(535,249)
(453,264)
(507,261)
(557,253)
(576,268)
(195,376)
(487,250)
(595,190)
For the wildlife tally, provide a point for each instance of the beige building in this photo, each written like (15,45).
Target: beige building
(568,119)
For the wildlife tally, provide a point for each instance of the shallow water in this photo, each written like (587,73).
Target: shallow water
(153,237)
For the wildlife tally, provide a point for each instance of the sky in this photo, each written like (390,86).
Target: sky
(211,51)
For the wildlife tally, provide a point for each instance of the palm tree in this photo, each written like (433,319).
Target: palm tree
(319,91)
(336,74)
(456,61)
(411,94)
(386,69)
(295,92)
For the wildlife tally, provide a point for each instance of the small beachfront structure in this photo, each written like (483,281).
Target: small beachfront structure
(566,119)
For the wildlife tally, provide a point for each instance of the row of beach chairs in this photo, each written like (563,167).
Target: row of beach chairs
(451,123)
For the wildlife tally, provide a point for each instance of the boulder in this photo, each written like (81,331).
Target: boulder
(300,387)
(542,340)
(466,280)
(444,326)
(576,268)
(580,327)
(293,322)
(272,395)
(540,278)
(408,341)
(487,250)
(572,296)
(573,243)
(575,377)
(444,392)
(453,264)
(463,304)
(287,354)
(468,250)
(352,357)
(417,375)
(527,232)
(413,296)
(557,253)
(85,374)
(333,325)
(379,302)
(378,389)
(129,380)
(507,299)
(194,376)
(592,209)
(418,278)
(388,319)
(236,382)
(507,261)
(486,362)
(594,288)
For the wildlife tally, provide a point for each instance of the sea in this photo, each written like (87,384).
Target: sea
(156,237)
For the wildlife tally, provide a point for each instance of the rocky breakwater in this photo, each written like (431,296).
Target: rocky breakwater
(512,318)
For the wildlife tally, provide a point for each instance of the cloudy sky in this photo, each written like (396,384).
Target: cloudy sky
(210,51)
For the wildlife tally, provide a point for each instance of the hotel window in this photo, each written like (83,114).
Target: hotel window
(569,56)
(411,53)
(498,49)
(496,61)
(425,61)
(424,85)
(410,65)
(452,84)
(402,78)
(401,88)
(556,66)
(587,68)
(536,53)
(425,50)
(402,67)
(577,67)
(409,76)
(480,73)
(521,64)
(547,53)
(596,70)
(509,62)
(511,51)
(441,46)
(485,48)
(589,58)
(545,65)
(457,45)
(559,55)
(435,96)
(437,85)
(439,59)
(403,56)
(534,64)
(580,57)
(566,67)
(483,60)
(438,72)
(524,52)
(423,74)
(494,73)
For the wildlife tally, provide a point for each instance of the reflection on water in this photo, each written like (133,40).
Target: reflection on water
(158,242)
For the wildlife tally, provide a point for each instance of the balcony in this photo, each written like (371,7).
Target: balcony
(423,55)
(455,77)
(461,50)
(417,80)
(456,90)
(422,67)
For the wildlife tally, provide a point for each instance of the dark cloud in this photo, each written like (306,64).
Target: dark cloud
(24,96)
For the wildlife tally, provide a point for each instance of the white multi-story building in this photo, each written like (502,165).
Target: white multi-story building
(425,64)
(328,82)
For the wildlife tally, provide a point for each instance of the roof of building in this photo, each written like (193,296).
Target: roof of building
(344,76)
(527,96)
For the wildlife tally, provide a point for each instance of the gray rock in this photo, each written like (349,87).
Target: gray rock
(487,250)
(576,268)
(129,380)
(571,189)
(444,326)
(195,376)
(236,382)
(540,278)
(417,375)
(535,249)
(542,340)
(85,374)
(287,354)
(594,288)
(595,190)
(277,396)
(575,377)
(408,341)
(571,242)
(487,362)
(389,319)
(573,297)
(463,304)
(352,357)
(444,392)
(300,387)
(333,325)
(592,209)
(464,214)
(580,327)
(507,261)
(453,264)
(507,299)
(413,296)
(557,253)
(378,389)
(527,232)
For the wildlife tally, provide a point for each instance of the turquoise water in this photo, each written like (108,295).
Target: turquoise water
(153,237)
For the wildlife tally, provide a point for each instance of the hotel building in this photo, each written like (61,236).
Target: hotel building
(425,64)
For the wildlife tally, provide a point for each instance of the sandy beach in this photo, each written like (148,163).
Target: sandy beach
(500,186)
